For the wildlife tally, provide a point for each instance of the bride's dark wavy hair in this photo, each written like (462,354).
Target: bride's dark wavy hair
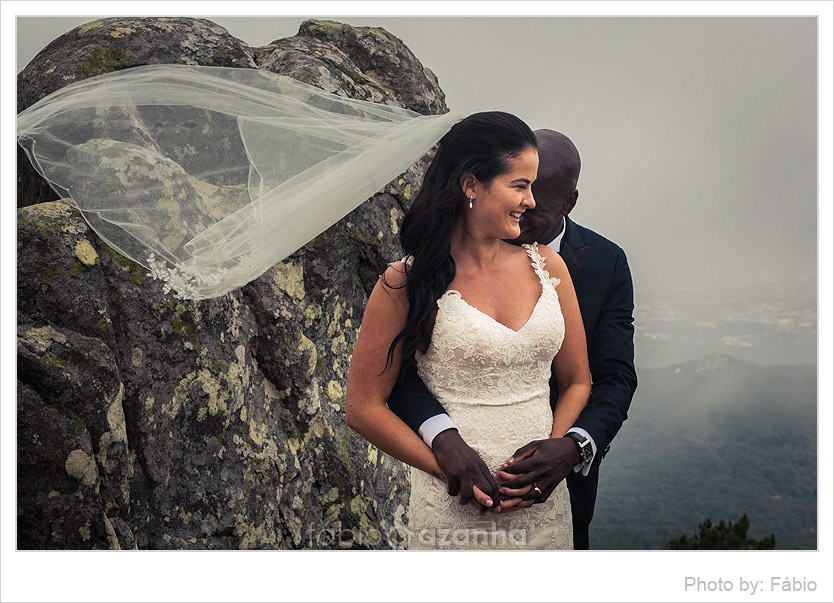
(482,145)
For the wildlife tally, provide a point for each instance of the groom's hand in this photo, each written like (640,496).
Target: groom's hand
(465,471)
(542,464)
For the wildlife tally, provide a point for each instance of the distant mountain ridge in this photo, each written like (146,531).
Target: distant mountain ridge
(711,363)
(714,437)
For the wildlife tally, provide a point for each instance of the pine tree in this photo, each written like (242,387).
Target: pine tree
(721,536)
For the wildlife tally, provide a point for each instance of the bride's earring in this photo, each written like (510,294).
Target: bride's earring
(470,201)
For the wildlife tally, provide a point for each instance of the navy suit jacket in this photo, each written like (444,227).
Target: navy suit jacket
(604,289)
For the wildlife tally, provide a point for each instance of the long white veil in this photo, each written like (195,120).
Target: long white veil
(208,176)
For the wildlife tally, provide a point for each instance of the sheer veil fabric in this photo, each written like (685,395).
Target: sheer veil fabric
(208,176)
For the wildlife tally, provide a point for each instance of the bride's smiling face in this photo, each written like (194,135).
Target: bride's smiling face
(498,205)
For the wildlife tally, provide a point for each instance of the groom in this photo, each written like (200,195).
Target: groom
(604,290)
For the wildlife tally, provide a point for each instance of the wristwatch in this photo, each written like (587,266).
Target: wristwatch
(586,451)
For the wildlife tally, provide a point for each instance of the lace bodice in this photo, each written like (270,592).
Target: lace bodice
(474,359)
(493,383)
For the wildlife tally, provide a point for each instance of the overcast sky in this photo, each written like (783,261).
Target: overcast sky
(698,139)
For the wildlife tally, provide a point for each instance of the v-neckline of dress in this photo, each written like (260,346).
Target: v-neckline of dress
(455,293)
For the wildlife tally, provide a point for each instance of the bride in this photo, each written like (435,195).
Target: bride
(483,320)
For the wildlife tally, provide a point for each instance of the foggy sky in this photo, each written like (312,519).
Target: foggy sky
(698,138)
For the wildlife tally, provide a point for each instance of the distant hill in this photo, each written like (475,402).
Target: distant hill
(713,438)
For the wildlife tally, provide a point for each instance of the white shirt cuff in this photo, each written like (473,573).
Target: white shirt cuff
(434,425)
(585,468)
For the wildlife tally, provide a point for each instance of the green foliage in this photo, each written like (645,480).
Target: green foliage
(102,327)
(722,537)
(363,237)
(180,326)
(104,60)
(136,271)
(48,274)
(176,324)
(76,268)
(136,278)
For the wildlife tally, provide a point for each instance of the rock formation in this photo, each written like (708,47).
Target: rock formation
(145,421)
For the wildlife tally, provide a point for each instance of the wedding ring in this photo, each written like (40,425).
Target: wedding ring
(536,490)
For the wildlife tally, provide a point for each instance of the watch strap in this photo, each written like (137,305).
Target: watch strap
(586,451)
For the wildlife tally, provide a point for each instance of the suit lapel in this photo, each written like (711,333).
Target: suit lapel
(573,250)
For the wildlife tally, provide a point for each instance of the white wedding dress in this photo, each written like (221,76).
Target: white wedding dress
(494,384)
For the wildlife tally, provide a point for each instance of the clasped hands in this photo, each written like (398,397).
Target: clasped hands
(528,477)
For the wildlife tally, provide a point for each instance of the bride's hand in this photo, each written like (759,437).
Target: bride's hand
(513,499)
(482,502)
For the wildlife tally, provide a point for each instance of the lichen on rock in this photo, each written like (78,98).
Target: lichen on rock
(150,422)
(81,466)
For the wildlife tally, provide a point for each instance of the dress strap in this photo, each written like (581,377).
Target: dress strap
(538,263)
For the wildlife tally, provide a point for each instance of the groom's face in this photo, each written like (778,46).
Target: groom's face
(544,222)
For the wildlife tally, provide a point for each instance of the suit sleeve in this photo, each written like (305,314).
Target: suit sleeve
(412,401)
(611,360)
